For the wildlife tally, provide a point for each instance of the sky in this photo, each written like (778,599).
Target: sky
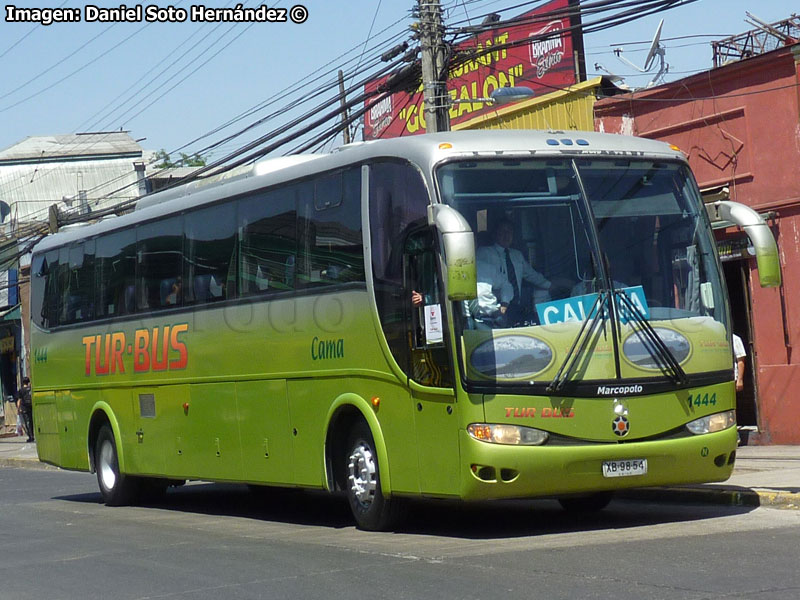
(172,85)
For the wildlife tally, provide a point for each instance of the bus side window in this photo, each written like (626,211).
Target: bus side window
(159,252)
(38,288)
(79,294)
(267,242)
(331,249)
(420,277)
(115,271)
(210,234)
(398,202)
(430,363)
(47,315)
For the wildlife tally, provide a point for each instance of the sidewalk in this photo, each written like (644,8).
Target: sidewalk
(763,476)
(16,452)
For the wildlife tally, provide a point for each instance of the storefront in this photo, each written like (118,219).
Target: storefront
(10,343)
(738,126)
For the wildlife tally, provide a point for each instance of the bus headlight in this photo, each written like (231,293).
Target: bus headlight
(512,435)
(712,423)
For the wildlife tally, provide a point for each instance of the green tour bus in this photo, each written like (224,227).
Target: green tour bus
(350,322)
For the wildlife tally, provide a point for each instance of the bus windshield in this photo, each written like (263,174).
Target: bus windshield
(589,270)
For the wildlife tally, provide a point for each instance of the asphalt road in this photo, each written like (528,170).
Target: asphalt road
(215,541)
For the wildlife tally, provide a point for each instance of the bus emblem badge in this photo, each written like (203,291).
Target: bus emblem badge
(620,426)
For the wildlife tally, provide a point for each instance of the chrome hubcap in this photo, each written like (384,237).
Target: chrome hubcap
(106,465)
(362,474)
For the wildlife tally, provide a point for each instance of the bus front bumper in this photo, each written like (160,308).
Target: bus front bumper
(498,471)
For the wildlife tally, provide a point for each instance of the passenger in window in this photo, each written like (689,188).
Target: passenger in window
(216,289)
(421,269)
(420,299)
(508,263)
(174,296)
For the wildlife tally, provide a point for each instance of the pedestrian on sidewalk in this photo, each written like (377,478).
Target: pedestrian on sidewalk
(739,356)
(25,407)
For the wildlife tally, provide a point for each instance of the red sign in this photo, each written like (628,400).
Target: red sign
(543,64)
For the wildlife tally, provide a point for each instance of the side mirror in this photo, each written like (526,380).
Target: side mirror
(459,251)
(769,265)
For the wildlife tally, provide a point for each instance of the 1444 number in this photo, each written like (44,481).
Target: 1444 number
(702,400)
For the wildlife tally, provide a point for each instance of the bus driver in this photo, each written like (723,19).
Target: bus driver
(506,263)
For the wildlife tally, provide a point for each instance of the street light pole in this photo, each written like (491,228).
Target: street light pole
(434,69)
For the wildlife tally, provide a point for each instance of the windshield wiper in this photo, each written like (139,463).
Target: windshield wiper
(653,342)
(584,335)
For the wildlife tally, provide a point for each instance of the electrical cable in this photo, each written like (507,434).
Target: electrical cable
(29,32)
(103,114)
(53,66)
(223,165)
(309,77)
(255,152)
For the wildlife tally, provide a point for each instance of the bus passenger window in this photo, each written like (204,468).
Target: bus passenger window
(159,251)
(208,254)
(51,303)
(330,248)
(115,268)
(79,294)
(267,242)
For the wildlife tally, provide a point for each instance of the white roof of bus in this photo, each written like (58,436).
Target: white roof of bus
(423,150)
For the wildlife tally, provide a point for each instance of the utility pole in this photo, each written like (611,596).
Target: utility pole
(434,69)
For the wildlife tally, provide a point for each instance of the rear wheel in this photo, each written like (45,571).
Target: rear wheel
(371,509)
(586,504)
(115,488)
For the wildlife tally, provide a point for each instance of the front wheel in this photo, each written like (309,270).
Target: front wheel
(115,488)
(371,509)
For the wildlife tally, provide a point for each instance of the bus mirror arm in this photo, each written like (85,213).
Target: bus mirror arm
(769,266)
(459,251)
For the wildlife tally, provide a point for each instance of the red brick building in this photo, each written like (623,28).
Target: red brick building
(739,124)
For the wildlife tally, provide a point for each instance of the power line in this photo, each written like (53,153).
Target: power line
(223,164)
(289,132)
(53,66)
(29,32)
(102,114)
(124,204)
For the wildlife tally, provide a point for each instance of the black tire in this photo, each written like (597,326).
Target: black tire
(586,504)
(371,509)
(115,488)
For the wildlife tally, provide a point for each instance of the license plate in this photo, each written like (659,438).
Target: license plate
(625,468)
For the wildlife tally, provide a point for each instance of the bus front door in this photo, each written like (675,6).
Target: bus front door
(430,372)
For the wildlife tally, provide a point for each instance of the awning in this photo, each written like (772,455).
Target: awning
(11,314)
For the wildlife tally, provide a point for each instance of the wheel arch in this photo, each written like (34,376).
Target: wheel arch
(102,414)
(345,411)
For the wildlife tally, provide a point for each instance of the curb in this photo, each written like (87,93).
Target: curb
(722,496)
(779,499)
(26,463)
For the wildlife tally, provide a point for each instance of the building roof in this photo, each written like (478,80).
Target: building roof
(71,146)
(44,170)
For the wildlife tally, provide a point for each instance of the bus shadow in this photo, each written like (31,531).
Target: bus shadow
(520,518)
(496,519)
(286,505)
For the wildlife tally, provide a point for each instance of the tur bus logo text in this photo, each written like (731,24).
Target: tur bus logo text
(152,349)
